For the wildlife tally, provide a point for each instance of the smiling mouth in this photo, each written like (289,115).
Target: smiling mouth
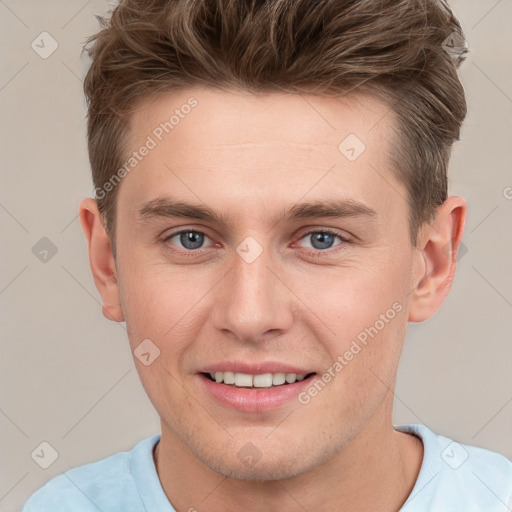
(264,380)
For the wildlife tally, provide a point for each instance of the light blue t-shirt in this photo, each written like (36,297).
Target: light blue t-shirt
(453,478)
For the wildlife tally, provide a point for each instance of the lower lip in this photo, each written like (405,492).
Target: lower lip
(254,399)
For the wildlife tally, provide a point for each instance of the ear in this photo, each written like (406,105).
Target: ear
(101,259)
(438,245)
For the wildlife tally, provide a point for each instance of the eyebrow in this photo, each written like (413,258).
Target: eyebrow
(165,207)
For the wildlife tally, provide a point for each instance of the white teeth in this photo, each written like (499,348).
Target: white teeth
(278,379)
(263,380)
(242,380)
(229,378)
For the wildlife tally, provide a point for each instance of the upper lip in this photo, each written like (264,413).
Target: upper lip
(254,368)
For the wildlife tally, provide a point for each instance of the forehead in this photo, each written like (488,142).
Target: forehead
(227,117)
(259,148)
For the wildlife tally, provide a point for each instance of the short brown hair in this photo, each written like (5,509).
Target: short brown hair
(402,51)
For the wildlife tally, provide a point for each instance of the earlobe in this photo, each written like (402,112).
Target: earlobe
(101,259)
(439,245)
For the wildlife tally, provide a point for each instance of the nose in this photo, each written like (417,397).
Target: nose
(253,302)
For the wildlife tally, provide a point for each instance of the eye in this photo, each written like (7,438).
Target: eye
(323,239)
(189,239)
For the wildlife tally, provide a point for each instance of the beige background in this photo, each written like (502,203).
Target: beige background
(67,375)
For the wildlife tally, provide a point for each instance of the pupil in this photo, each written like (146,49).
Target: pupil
(325,240)
(191,239)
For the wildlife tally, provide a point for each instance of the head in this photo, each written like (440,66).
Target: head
(255,127)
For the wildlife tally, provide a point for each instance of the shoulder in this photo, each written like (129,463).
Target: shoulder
(106,484)
(456,476)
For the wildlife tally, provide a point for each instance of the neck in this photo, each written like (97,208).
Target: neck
(377,470)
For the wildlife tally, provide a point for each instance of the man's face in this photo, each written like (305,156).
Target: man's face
(258,291)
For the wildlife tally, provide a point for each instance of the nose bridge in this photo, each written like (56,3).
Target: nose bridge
(254,301)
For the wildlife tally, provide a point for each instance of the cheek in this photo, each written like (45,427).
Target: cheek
(348,299)
(162,303)
(359,315)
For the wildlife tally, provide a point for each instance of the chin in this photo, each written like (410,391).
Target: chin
(244,461)
(258,471)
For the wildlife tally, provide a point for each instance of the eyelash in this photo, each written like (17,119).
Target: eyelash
(312,252)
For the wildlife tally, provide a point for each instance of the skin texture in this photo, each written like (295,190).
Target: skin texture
(250,158)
